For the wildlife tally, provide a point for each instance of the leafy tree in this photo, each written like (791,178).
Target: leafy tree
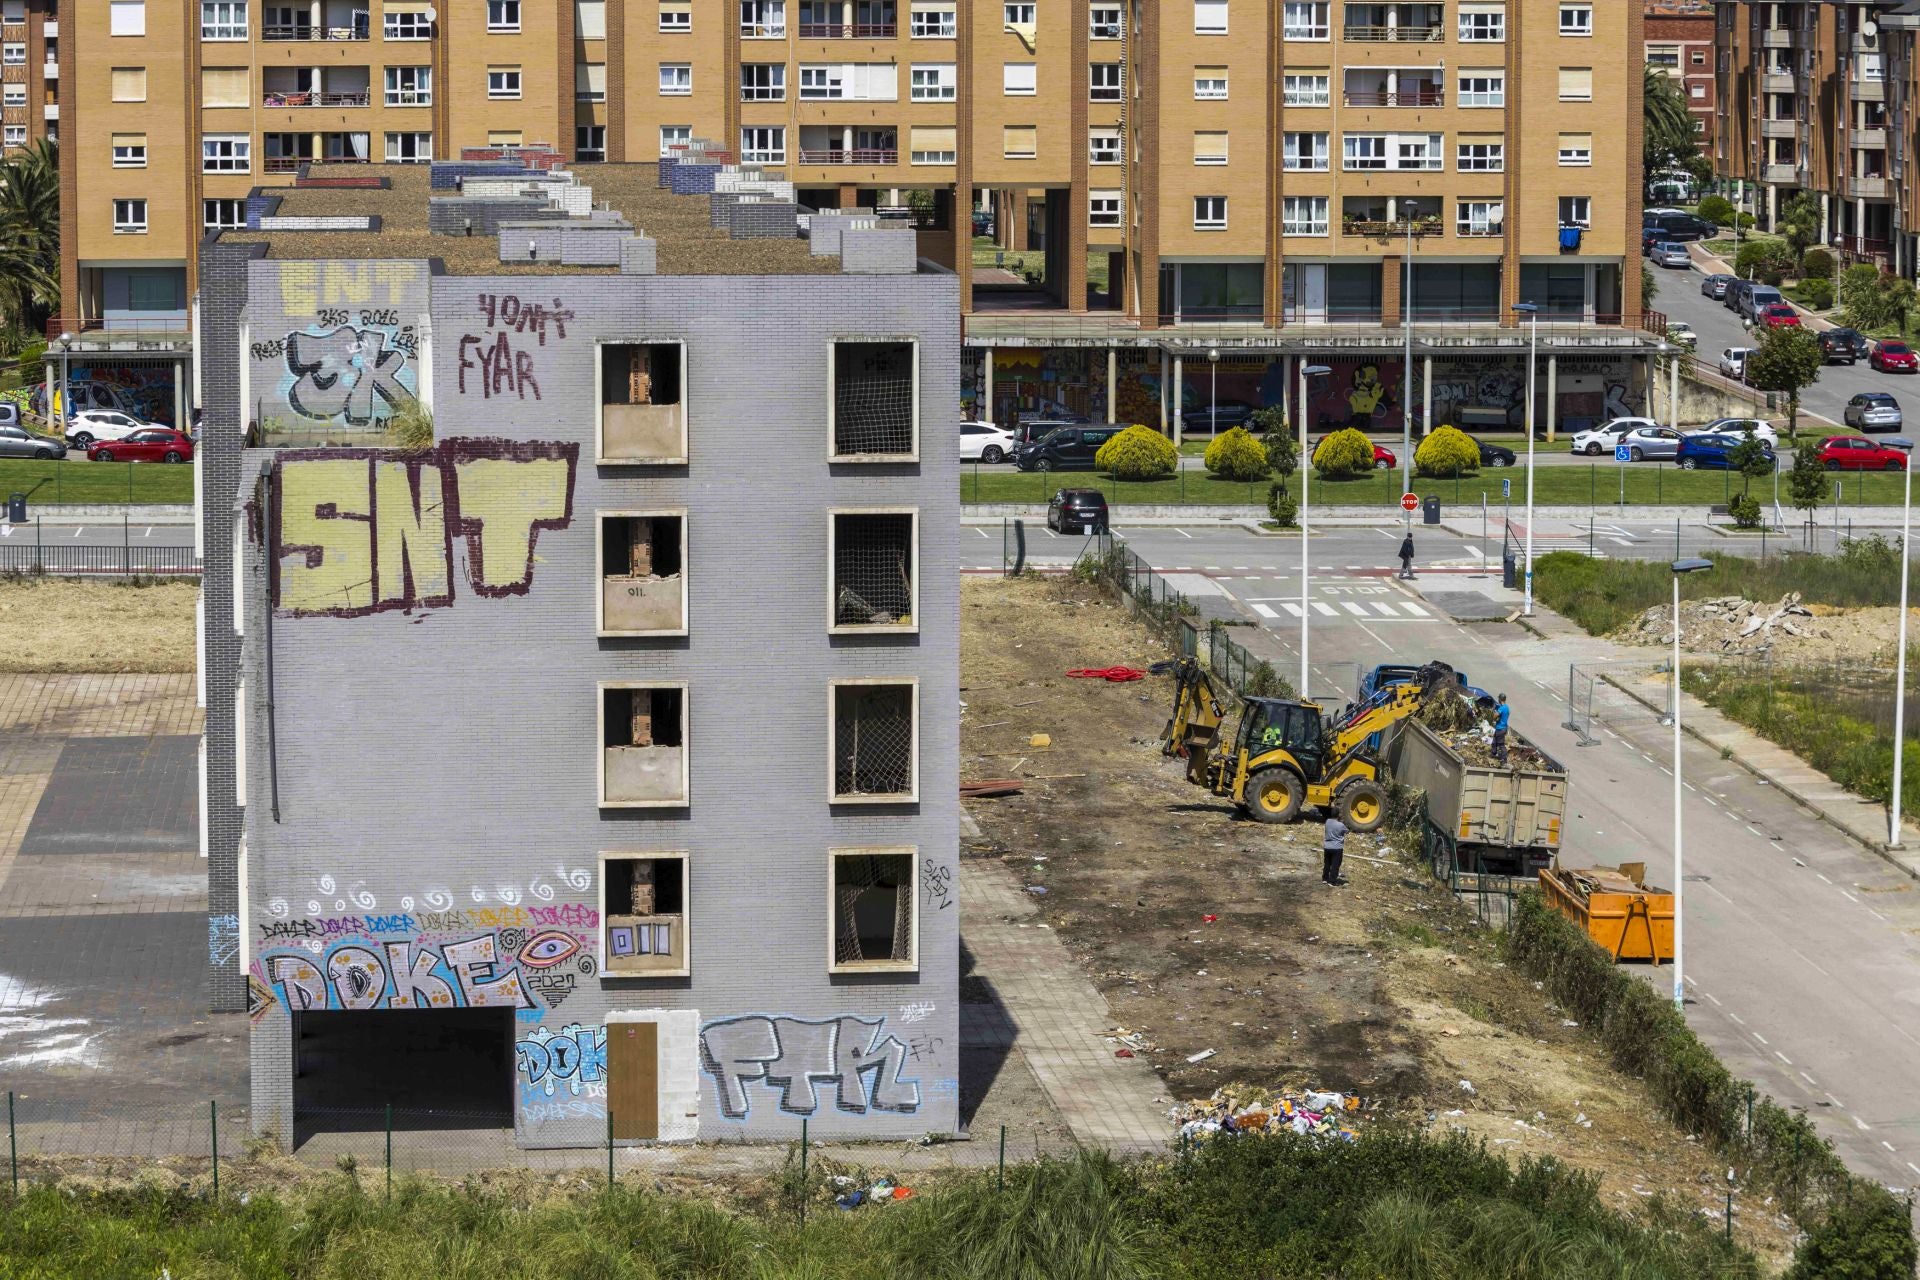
(1235,455)
(1649,284)
(1867,1235)
(1283,456)
(1449,452)
(30,236)
(1766,260)
(1799,221)
(1138,454)
(1816,262)
(1752,460)
(1786,360)
(1282,505)
(1717,209)
(1871,299)
(1344,454)
(1808,483)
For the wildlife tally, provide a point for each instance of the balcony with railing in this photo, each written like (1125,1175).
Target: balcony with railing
(316,87)
(1777,37)
(1869,187)
(1396,23)
(836,145)
(830,20)
(1394,87)
(320,22)
(1380,217)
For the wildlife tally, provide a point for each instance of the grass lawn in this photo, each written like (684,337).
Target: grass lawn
(58,483)
(988,254)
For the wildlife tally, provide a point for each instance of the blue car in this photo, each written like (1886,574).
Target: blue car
(1374,683)
(1709,452)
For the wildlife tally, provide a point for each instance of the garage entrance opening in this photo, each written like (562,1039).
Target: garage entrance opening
(439,1068)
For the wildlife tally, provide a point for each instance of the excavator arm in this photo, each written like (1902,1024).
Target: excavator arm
(1194,726)
(1389,708)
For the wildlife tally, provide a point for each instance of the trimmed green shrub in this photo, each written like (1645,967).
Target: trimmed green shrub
(1764,260)
(1344,454)
(1816,292)
(1447,452)
(1282,505)
(1717,209)
(1867,1236)
(1235,455)
(1138,454)
(1816,262)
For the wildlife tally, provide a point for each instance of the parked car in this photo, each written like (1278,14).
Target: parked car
(1679,225)
(9,414)
(1715,286)
(155,444)
(88,425)
(1653,443)
(1750,299)
(1736,426)
(1225,413)
(1873,411)
(984,442)
(1893,357)
(1037,429)
(1733,362)
(1670,253)
(1681,334)
(1708,450)
(1857,453)
(1838,346)
(1602,439)
(1777,315)
(1077,511)
(1065,449)
(1494,455)
(1383,457)
(18,442)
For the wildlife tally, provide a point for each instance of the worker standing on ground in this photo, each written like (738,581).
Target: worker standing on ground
(1333,850)
(1406,557)
(1501,714)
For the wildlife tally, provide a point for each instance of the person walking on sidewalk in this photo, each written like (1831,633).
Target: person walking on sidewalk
(1501,714)
(1333,850)
(1406,557)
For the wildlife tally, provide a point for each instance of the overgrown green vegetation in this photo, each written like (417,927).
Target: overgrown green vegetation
(29,244)
(58,483)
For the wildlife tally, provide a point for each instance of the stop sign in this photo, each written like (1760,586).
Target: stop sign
(1409,502)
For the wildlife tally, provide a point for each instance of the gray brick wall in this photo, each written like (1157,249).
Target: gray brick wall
(639,256)
(763,220)
(449,217)
(880,252)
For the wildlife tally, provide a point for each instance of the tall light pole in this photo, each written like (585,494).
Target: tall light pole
(1406,375)
(66,385)
(1213,392)
(1308,373)
(1532,312)
(1690,565)
(1900,662)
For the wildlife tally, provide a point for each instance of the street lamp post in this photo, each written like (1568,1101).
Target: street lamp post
(1532,312)
(1406,375)
(1900,661)
(1213,391)
(1309,373)
(1689,565)
(66,385)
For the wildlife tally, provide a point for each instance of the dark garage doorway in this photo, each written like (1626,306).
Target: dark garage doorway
(438,1068)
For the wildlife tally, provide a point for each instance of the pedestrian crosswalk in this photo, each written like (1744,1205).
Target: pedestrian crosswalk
(1382,609)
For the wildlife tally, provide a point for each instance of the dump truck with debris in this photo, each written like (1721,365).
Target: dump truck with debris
(1616,907)
(1503,819)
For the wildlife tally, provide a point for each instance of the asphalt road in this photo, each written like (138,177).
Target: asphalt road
(99,533)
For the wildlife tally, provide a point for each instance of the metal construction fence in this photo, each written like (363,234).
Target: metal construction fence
(127,560)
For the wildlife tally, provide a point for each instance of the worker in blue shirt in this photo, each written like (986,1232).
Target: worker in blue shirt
(1501,714)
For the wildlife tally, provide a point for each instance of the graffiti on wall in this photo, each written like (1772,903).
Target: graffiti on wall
(499,360)
(854,1057)
(223,939)
(571,1061)
(143,391)
(363,531)
(343,347)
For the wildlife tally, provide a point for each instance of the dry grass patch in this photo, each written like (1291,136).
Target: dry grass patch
(57,625)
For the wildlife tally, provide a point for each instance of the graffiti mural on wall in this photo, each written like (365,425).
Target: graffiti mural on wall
(365,531)
(569,1060)
(856,1057)
(144,391)
(344,348)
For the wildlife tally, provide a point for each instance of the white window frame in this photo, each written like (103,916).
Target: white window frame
(1579,205)
(397,142)
(503,82)
(1209,213)
(823,82)
(1306,89)
(1581,26)
(1209,88)
(1304,215)
(508,16)
(1105,144)
(1483,27)
(13,95)
(674,138)
(1206,9)
(13,135)
(1106,22)
(408,24)
(676,79)
(1015,13)
(126,17)
(1019,79)
(409,86)
(226,153)
(773,90)
(768,20)
(1391,152)
(1306,20)
(135,157)
(1098,92)
(1588,97)
(1491,93)
(13,54)
(589,153)
(1481,157)
(912,963)
(776,135)
(129,216)
(1223,157)
(1576,157)
(1106,207)
(685,948)
(601,568)
(1470,214)
(917,156)
(835,627)
(685,798)
(226,204)
(1316,156)
(224,26)
(931,24)
(676,28)
(910,683)
(932,82)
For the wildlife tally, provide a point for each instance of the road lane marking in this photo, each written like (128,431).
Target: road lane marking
(981,532)
(1736,1017)
(1353,608)
(1783,1057)
(1385,610)
(1757,1036)
(1183,533)
(1823,879)
(1836,1102)
(1849,897)
(1888,1145)
(1294,609)
(1862,1124)
(1264,611)
(1809,1079)
(1320,606)
(1414,609)
(1716,999)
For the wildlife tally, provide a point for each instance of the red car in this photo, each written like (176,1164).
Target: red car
(1383,457)
(1857,453)
(1893,357)
(154,444)
(1779,315)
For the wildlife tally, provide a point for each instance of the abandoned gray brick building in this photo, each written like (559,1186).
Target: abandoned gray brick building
(595,764)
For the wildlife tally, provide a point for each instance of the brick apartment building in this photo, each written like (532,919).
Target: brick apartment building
(1680,39)
(595,770)
(29,72)
(1276,183)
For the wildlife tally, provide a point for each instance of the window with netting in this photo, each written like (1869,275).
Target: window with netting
(875,564)
(873,909)
(873,741)
(875,401)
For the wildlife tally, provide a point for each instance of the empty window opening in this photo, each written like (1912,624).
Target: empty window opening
(644,745)
(646,916)
(643,583)
(642,418)
(872,910)
(873,566)
(873,399)
(453,1069)
(873,742)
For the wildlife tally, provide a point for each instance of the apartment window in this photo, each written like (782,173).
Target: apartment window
(1209,17)
(223,215)
(644,915)
(1667,56)
(1481,156)
(13,12)
(503,82)
(1103,146)
(1483,88)
(1210,147)
(676,79)
(763,82)
(130,217)
(590,143)
(407,24)
(1019,141)
(589,19)
(643,581)
(676,19)
(643,745)
(1304,89)
(874,402)
(1209,83)
(1209,213)
(1398,151)
(1483,23)
(1576,149)
(1304,152)
(1698,58)
(13,95)
(1576,84)
(930,21)
(1103,208)
(871,730)
(822,83)
(1576,19)
(589,82)
(13,55)
(129,150)
(1018,79)
(932,144)
(409,86)
(129,84)
(127,17)
(225,87)
(13,135)
(1303,216)
(504,137)
(760,145)
(503,15)
(1304,20)
(932,82)
(642,408)
(872,897)
(1480,218)
(763,19)
(225,153)
(1105,81)
(410,148)
(1576,211)
(674,138)
(1105,22)
(1017,15)
(875,557)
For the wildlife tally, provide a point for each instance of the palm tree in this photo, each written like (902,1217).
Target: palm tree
(1670,140)
(30,236)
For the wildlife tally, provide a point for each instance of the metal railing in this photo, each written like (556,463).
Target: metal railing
(1420,227)
(1297,323)
(1396,35)
(849,30)
(128,560)
(361,99)
(1401,98)
(309,31)
(855,155)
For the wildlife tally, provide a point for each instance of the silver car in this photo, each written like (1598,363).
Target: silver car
(1668,253)
(1873,411)
(1651,442)
(1715,286)
(18,442)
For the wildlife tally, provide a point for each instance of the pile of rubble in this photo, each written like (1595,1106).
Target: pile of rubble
(1237,1108)
(1729,624)
(1475,746)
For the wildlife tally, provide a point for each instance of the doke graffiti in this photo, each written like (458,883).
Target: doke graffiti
(362,531)
(855,1056)
(572,1059)
(363,973)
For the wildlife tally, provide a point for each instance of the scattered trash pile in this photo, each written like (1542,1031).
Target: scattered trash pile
(1447,711)
(1729,624)
(1238,1108)
(849,1194)
(1474,745)
(1129,1043)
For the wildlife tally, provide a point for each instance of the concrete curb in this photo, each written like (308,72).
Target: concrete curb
(75,512)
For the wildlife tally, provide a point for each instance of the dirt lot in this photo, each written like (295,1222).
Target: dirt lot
(1385,988)
(57,625)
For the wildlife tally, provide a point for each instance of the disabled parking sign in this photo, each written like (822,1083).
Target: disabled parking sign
(1622,454)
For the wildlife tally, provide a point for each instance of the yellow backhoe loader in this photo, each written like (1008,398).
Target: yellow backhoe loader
(1286,754)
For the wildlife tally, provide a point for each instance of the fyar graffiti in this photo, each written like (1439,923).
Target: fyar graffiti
(855,1057)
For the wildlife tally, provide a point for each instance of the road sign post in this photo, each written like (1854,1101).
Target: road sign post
(1409,502)
(1506,488)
